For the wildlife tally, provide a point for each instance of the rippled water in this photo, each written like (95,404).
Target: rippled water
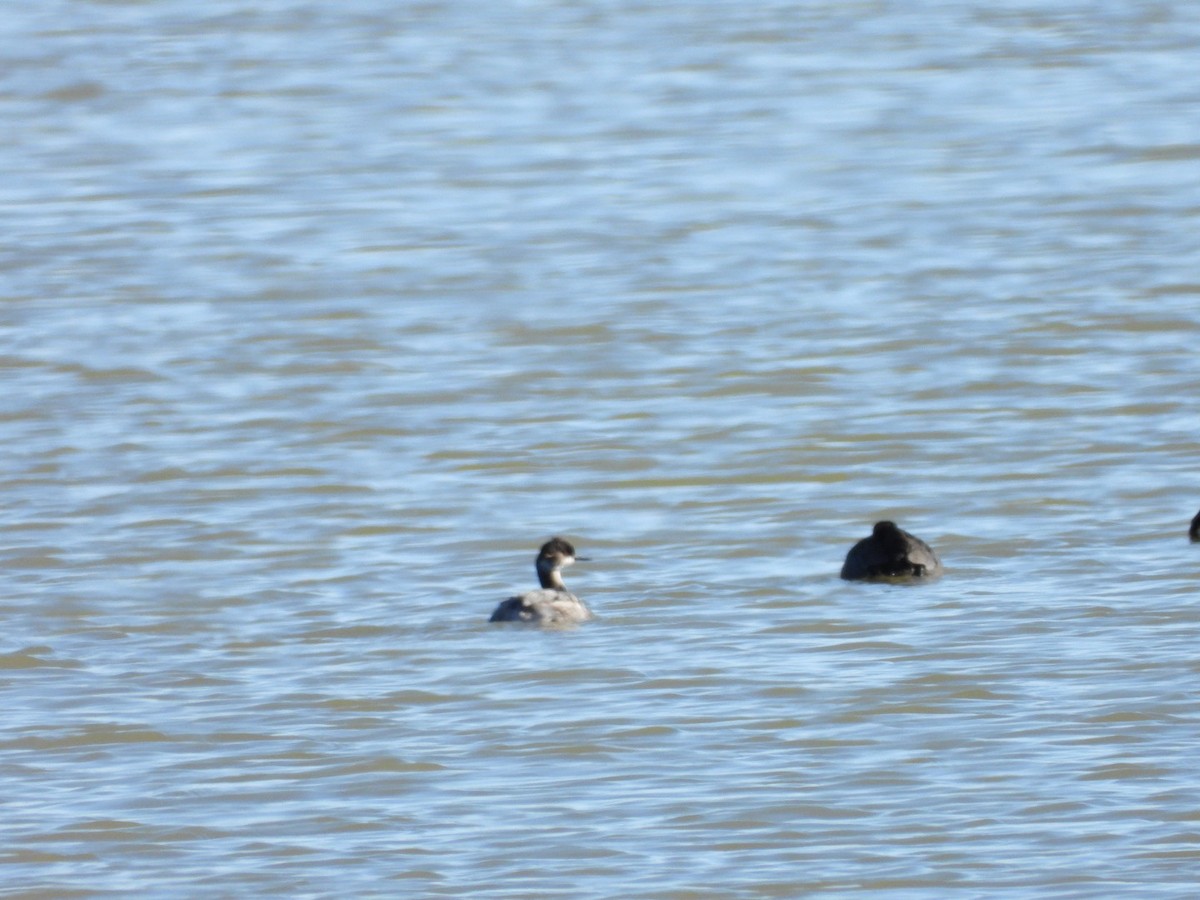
(317,319)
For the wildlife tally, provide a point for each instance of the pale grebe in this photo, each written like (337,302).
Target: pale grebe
(890,552)
(1194,531)
(553,604)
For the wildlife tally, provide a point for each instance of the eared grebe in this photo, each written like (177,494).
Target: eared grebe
(890,552)
(553,604)
(1194,531)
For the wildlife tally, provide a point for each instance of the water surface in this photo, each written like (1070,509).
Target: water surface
(316,320)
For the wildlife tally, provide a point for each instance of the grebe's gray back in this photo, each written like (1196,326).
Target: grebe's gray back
(890,552)
(1194,531)
(553,604)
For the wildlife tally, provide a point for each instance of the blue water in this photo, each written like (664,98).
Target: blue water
(317,319)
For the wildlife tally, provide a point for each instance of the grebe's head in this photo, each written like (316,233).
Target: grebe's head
(1194,531)
(555,554)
